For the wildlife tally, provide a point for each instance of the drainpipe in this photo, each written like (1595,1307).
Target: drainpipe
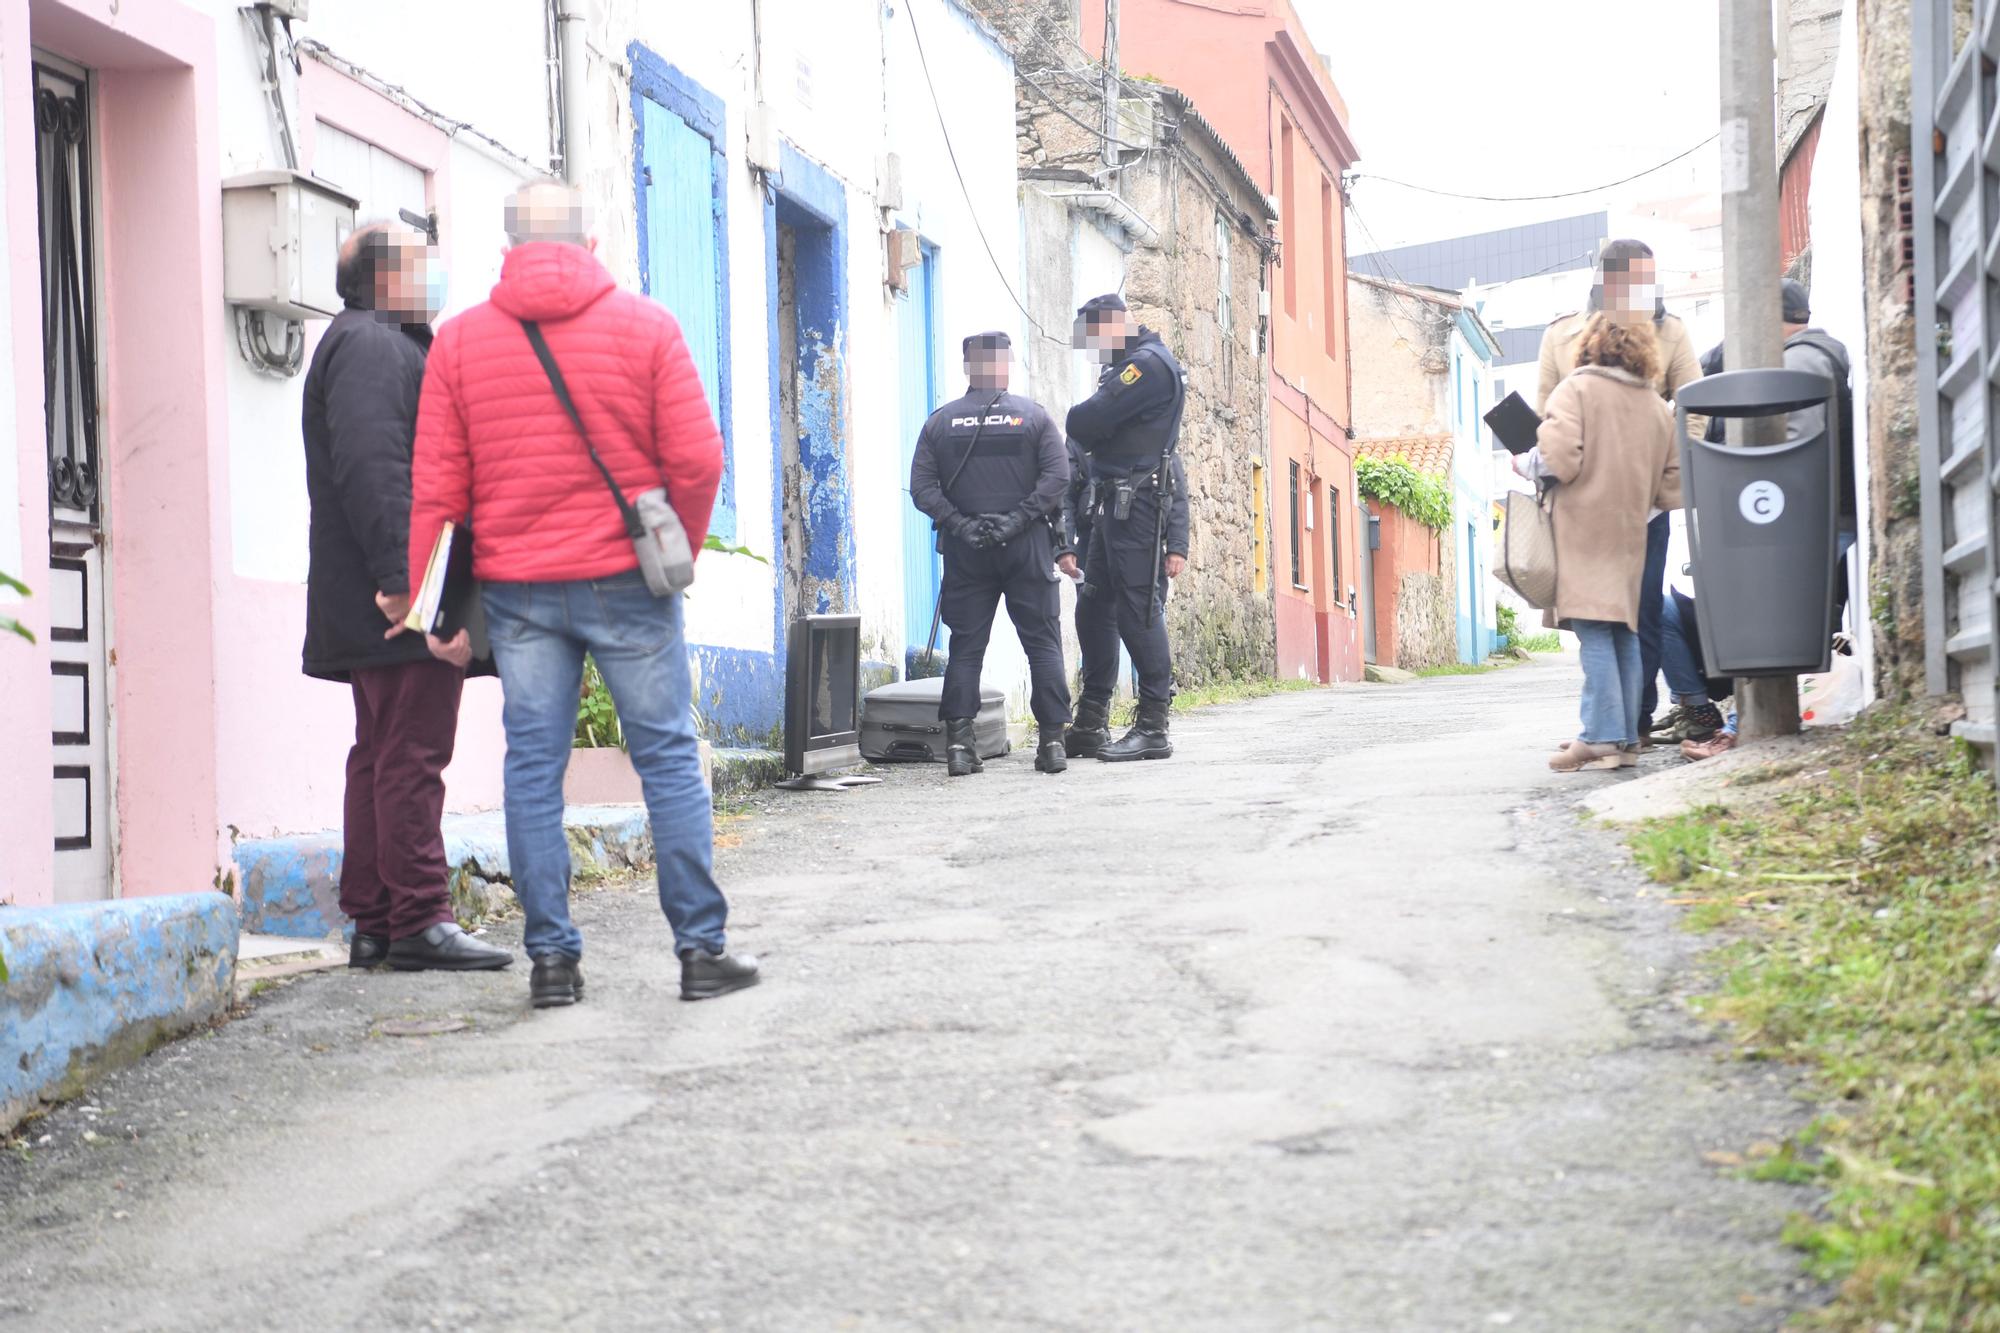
(1114,207)
(572,26)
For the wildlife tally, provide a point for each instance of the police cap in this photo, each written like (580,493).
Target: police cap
(985,342)
(1098,305)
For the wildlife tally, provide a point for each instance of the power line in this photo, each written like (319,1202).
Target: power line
(970,207)
(1540,198)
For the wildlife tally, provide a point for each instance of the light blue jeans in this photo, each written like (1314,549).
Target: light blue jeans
(540,633)
(1613,680)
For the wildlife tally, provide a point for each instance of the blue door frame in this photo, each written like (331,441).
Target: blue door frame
(917,319)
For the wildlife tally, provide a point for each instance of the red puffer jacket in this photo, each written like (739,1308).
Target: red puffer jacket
(494,443)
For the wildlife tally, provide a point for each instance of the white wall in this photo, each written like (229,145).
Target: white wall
(10,453)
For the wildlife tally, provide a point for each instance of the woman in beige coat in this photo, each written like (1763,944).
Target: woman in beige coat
(1608,442)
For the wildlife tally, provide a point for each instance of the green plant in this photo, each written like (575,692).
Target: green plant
(1508,621)
(9,625)
(714,543)
(596,716)
(1860,902)
(1548,641)
(1393,481)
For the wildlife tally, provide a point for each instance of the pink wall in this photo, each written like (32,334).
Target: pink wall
(215,729)
(283,739)
(27,821)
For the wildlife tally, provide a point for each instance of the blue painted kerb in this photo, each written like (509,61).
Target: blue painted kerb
(94,985)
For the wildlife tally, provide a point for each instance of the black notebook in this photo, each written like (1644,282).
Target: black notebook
(448,599)
(1514,423)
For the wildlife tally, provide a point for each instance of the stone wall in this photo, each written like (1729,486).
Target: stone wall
(1220,626)
(1402,362)
(1896,599)
(1416,610)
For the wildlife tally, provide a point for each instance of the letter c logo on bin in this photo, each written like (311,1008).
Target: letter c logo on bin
(1762,502)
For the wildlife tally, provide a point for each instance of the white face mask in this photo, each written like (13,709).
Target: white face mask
(1642,296)
(1103,356)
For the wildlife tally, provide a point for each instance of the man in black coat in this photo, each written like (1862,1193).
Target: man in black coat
(990,470)
(1129,431)
(360,424)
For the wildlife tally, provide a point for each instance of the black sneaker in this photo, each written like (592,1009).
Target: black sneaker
(556,981)
(706,975)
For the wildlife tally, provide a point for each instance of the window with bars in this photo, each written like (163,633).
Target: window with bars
(69,297)
(1333,540)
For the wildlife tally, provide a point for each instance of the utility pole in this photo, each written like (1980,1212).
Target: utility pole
(1751,308)
(1110,82)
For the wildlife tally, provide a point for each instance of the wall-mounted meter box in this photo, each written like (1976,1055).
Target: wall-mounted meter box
(281,234)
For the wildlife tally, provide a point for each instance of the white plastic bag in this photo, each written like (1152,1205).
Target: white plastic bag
(1832,698)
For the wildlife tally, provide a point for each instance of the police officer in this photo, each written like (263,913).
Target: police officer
(990,471)
(1128,432)
(1096,615)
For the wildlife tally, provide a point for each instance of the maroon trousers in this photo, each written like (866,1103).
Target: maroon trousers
(393,870)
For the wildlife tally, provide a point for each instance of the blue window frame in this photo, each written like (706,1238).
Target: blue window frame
(680,167)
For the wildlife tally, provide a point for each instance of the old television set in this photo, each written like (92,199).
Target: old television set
(822,695)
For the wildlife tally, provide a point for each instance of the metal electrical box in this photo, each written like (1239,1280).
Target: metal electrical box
(281,234)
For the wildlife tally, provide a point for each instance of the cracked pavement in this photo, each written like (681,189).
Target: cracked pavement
(1341,1019)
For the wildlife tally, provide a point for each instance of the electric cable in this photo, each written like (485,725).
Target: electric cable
(964,189)
(1538,198)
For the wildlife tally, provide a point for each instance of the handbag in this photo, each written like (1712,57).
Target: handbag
(1526,558)
(658,538)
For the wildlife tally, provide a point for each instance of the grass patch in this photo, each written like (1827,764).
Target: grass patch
(1863,901)
(1548,641)
(1457,669)
(1221,692)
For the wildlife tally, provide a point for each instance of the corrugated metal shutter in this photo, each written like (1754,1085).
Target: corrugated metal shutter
(1957,198)
(684,270)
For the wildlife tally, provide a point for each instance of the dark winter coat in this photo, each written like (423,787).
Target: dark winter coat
(360,423)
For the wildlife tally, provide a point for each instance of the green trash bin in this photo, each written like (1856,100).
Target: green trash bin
(1761,526)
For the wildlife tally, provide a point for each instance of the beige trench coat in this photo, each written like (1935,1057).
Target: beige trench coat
(1608,441)
(1678,363)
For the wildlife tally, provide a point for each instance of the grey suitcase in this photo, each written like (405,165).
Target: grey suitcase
(900,722)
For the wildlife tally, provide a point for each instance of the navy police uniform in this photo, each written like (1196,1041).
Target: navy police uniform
(990,471)
(1136,512)
(1096,614)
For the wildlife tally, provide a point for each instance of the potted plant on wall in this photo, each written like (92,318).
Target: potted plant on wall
(600,772)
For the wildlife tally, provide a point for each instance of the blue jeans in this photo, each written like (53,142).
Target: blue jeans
(1684,674)
(540,633)
(1611,682)
(1652,600)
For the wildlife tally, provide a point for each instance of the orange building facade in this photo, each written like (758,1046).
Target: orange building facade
(1259,81)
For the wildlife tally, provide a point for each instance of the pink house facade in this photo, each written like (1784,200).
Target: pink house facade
(151,494)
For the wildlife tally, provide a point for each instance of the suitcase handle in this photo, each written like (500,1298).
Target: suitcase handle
(910,727)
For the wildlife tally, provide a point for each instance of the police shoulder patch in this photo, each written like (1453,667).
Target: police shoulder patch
(1130,375)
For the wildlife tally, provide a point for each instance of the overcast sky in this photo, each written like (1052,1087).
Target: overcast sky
(1516,97)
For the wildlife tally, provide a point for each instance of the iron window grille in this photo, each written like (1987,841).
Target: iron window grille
(69,323)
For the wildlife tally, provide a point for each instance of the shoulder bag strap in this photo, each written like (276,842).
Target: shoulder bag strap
(634,528)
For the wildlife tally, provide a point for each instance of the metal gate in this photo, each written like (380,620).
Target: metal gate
(1956,197)
(78,657)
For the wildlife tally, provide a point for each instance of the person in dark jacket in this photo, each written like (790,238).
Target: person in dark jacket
(1096,616)
(360,421)
(1129,431)
(990,470)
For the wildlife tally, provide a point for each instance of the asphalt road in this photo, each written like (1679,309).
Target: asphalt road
(1341,1019)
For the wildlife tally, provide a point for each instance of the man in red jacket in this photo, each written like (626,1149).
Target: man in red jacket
(560,576)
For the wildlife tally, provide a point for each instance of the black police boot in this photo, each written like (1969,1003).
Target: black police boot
(961,748)
(1091,731)
(1049,756)
(1146,740)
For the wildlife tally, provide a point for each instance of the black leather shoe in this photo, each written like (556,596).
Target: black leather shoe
(706,975)
(1049,757)
(556,981)
(446,948)
(961,748)
(367,950)
(1091,731)
(1146,740)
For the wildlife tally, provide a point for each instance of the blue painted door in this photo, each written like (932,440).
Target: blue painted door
(918,326)
(683,259)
